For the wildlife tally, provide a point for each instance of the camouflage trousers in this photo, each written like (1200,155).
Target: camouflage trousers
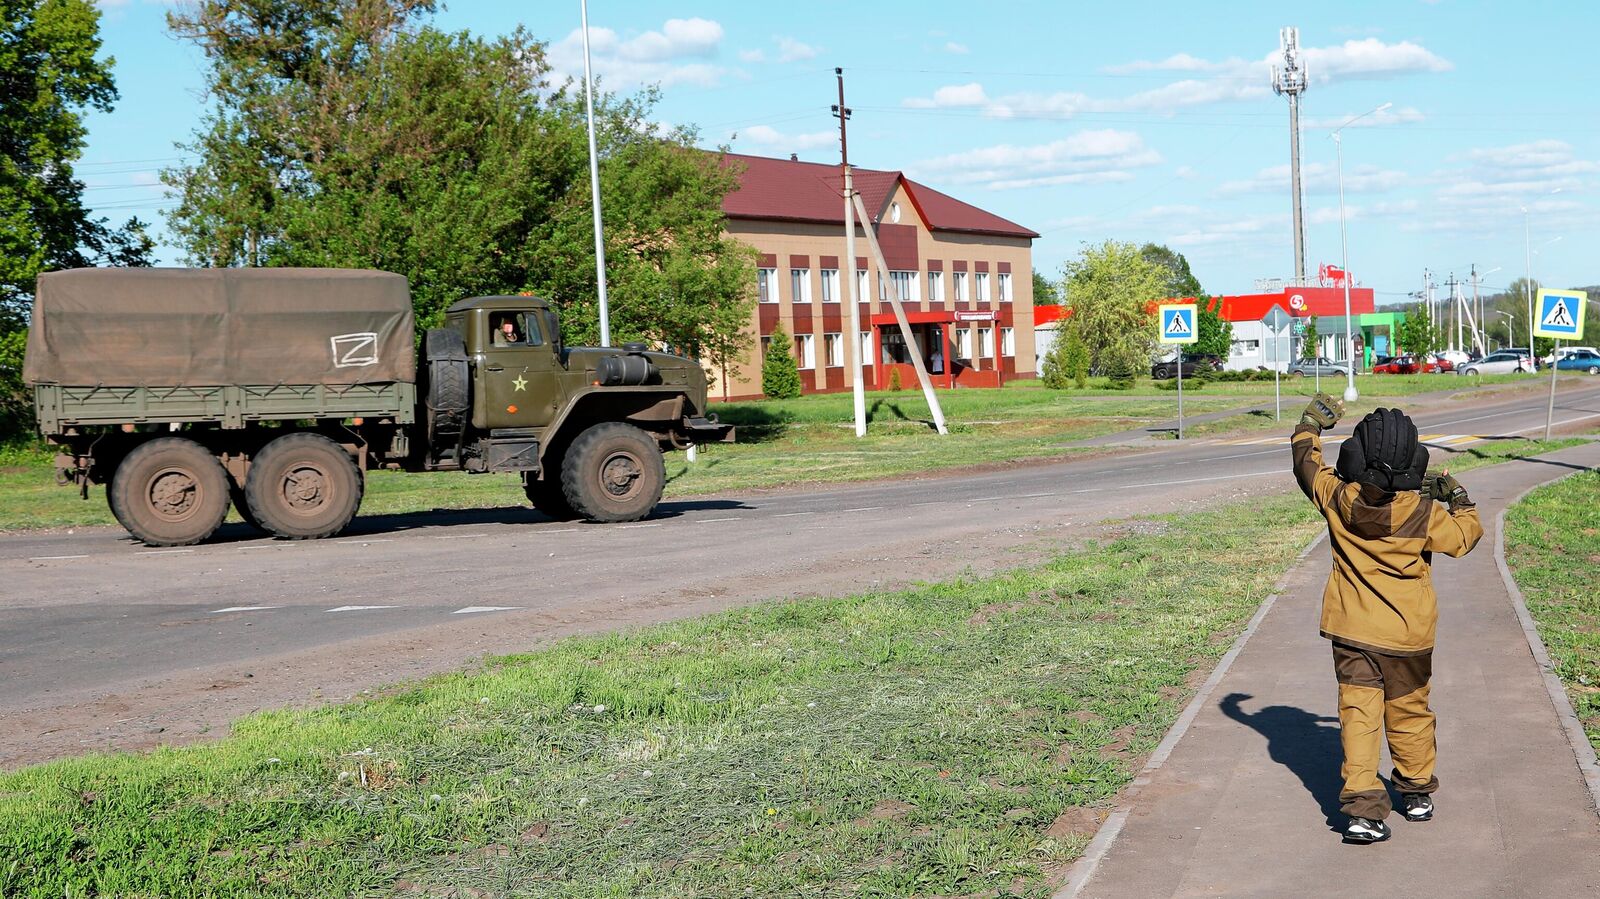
(1383,696)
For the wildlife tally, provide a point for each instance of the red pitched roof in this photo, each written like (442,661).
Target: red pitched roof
(788,190)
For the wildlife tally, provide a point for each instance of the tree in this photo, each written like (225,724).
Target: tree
(1177,281)
(1111,288)
(1045,291)
(780,375)
(1417,333)
(1214,333)
(50,77)
(1067,363)
(354,134)
(1308,345)
(1077,359)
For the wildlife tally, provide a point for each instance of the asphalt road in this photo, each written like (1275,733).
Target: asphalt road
(108,644)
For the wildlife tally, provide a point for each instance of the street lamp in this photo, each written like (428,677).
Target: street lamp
(1344,251)
(1510,322)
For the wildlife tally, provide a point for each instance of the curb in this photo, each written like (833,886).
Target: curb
(1083,869)
(1582,750)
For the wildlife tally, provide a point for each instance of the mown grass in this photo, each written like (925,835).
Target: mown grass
(946,739)
(1553,548)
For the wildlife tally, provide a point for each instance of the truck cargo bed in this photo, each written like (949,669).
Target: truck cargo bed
(233,406)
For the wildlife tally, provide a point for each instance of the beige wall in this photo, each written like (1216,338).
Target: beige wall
(783,239)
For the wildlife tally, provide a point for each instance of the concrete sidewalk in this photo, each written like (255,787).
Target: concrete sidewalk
(1247,802)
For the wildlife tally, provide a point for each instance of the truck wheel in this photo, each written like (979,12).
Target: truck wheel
(170,492)
(302,487)
(242,506)
(548,497)
(613,472)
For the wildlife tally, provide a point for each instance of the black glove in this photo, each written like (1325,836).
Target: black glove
(1446,489)
(1323,411)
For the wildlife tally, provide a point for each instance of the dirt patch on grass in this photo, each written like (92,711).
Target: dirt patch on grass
(1076,820)
(884,810)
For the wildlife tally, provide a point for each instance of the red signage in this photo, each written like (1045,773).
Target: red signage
(975,316)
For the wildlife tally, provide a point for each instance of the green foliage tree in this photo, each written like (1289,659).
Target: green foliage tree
(355,134)
(1077,358)
(50,76)
(1417,332)
(1110,287)
(1045,291)
(1214,333)
(1121,372)
(1308,346)
(780,374)
(1177,280)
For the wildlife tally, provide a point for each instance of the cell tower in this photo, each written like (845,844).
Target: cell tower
(1290,79)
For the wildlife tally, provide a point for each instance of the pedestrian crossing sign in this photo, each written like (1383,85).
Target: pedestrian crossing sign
(1560,314)
(1177,323)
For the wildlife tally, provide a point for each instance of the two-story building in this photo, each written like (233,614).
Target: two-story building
(964,275)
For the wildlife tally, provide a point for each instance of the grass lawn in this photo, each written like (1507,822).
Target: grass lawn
(946,739)
(1553,548)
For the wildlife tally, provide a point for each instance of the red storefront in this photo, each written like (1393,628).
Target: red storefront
(959,348)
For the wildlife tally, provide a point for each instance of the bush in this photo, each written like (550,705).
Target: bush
(780,375)
(894,380)
(1121,372)
(1188,384)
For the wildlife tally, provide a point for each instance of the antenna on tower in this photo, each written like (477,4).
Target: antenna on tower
(1290,79)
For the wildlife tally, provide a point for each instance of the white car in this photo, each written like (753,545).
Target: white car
(1498,364)
(1456,358)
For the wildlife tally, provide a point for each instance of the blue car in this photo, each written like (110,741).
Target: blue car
(1584,360)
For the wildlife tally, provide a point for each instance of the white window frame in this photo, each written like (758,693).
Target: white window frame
(936,287)
(963,343)
(833,349)
(800,285)
(985,338)
(907,286)
(867,356)
(1008,342)
(980,286)
(767,285)
(830,285)
(863,286)
(960,281)
(1003,279)
(806,345)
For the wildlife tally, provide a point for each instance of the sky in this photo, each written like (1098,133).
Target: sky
(1085,122)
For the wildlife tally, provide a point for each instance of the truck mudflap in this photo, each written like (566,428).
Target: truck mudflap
(703,430)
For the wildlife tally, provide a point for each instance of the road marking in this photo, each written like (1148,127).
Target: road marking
(469,610)
(350,540)
(1032,495)
(929,503)
(51,558)
(1225,477)
(865,509)
(986,499)
(653,524)
(163,552)
(562,531)
(458,536)
(241,609)
(709,520)
(360,608)
(791,514)
(268,545)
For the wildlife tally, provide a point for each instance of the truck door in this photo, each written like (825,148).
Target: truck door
(517,380)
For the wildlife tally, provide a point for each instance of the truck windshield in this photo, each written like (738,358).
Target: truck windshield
(515,329)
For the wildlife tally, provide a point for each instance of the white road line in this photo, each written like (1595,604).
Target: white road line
(457,536)
(865,509)
(930,503)
(653,524)
(352,540)
(560,531)
(986,499)
(360,608)
(271,545)
(241,609)
(1225,477)
(162,552)
(1032,495)
(470,610)
(709,520)
(52,558)
(791,514)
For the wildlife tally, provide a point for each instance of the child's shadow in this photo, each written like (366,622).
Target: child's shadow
(1301,742)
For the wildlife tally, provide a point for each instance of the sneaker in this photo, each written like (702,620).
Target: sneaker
(1365,830)
(1417,806)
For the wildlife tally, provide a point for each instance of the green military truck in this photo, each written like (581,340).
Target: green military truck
(186,391)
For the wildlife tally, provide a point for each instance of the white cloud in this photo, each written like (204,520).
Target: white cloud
(667,56)
(1316,177)
(1178,62)
(1086,157)
(1486,189)
(752,56)
(1369,58)
(1403,116)
(767,137)
(956,49)
(791,50)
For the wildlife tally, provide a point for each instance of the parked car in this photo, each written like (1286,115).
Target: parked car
(1523,352)
(1582,359)
(1499,363)
(1321,365)
(1396,365)
(1379,361)
(1455,358)
(1438,362)
(1192,363)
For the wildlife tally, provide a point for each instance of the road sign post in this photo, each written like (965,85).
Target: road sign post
(1275,320)
(1177,323)
(1560,318)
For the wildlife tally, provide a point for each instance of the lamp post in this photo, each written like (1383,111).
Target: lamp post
(594,185)
(1344,252)
(1510,325)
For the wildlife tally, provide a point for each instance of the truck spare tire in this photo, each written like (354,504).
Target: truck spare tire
(449,380)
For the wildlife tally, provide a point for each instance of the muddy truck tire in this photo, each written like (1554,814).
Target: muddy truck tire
(303,487)
(613,472)
(170,491)
(547,496)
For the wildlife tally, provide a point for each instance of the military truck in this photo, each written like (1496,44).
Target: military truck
(274,391)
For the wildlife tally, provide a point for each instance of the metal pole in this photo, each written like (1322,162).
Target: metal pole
(1294,171)
(852,289)
(1277,397)
(1344,253)
(1550,411)
(594,185)
(1527,252)
(1180,392)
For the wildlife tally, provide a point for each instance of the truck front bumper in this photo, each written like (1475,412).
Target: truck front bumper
(696,429)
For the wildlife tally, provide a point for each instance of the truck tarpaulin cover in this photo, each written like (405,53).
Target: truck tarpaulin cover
(141,327)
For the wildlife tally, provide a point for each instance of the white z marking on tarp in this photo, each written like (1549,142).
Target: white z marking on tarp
(355,350)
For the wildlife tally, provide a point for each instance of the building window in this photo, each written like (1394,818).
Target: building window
(905,286)
(800,285)
(833,347)
(980,286)
(767,284)
(830,285)
(1008,342)
(806,346)
(936,287)
(867,358)
(1246,347)
(985,343)
(960,279)
(963,343)
(1005,286)
(863,295)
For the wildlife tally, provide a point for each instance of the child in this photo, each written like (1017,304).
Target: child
(1385,522)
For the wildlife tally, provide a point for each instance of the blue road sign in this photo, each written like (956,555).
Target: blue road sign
(1177,323)
(1560,314)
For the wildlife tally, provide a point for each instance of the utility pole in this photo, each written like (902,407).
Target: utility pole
(1477,307)
(1290,79)
(1455,314)
(594,186)
(851,290)
(905,325)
